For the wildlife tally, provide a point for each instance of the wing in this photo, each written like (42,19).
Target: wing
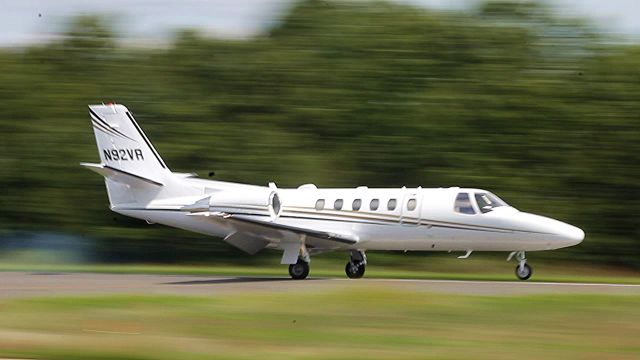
(322,235)
(254,233)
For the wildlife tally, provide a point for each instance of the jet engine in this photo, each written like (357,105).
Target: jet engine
(259,201)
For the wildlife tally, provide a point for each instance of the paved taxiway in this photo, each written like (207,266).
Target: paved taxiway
(25,284)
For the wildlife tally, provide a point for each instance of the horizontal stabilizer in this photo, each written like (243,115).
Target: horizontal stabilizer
(120,176)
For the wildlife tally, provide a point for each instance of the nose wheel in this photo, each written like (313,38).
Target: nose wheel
(357,264)
(523,270)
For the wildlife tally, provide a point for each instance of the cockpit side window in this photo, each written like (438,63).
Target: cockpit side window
(488,201)
(463,204)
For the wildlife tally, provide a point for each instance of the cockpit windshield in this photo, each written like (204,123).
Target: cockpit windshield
(487,201)
(463,204)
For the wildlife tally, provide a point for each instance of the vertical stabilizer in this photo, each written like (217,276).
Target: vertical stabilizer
(123,146)
(135,174)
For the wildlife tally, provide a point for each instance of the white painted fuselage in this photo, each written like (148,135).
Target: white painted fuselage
(433,225)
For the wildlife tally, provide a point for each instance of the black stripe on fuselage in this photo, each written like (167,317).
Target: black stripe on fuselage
(396,219)
(396,222)
(405,220)
(153,150)
(372,222)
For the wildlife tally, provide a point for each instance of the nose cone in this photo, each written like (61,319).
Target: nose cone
(569,235)
(555,234)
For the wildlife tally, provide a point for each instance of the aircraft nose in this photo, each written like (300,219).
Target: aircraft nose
(556,234)
(570,235)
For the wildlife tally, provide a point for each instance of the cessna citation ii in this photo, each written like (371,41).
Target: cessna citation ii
(306,221)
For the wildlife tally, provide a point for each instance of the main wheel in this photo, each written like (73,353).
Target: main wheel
(299,270)
(524,272)
(354,271)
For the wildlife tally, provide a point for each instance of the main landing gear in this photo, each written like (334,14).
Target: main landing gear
(523,270)
(354,269)
(357,263)
(299,270)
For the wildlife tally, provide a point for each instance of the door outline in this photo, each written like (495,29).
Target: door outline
(407,195)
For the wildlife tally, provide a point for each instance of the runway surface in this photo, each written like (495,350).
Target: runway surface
(25,284)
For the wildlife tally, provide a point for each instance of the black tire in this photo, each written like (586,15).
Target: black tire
(299,270)
(354,271)
(525,273)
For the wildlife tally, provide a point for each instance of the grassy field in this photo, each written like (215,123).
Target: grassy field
(355,324)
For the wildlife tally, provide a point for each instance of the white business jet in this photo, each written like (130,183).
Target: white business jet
(306,221)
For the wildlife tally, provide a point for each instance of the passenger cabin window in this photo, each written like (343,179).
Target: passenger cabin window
(374,204)
(411,204)
(391,205)
(357,203)
(337,205)
(320,204)
(463,204)
(487,202)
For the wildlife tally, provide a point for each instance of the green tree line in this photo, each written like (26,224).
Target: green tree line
(541,110)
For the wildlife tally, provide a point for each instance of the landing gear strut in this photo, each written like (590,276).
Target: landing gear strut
(523,270)
(299,270)
(292,251)
(357,263)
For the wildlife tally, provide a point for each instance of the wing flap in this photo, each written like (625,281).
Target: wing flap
(324,235)
(273,232)
(246,242)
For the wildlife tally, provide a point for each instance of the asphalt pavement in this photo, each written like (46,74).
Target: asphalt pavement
(34,284)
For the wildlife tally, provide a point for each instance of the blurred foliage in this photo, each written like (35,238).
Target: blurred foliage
(539,109)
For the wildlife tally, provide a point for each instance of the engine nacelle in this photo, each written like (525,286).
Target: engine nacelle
(259,201)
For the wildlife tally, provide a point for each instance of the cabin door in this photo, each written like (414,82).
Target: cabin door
(411,204)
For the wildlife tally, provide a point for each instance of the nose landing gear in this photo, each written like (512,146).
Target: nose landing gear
(523,270)
(356,266)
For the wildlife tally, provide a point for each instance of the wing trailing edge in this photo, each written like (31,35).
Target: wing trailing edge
(324,235)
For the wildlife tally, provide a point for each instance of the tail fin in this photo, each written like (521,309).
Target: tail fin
(122,144)
(134,172)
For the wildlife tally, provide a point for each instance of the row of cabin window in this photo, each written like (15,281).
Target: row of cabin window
(373,205)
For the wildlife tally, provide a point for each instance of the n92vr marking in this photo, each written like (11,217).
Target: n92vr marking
(306,221)
(123,154)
